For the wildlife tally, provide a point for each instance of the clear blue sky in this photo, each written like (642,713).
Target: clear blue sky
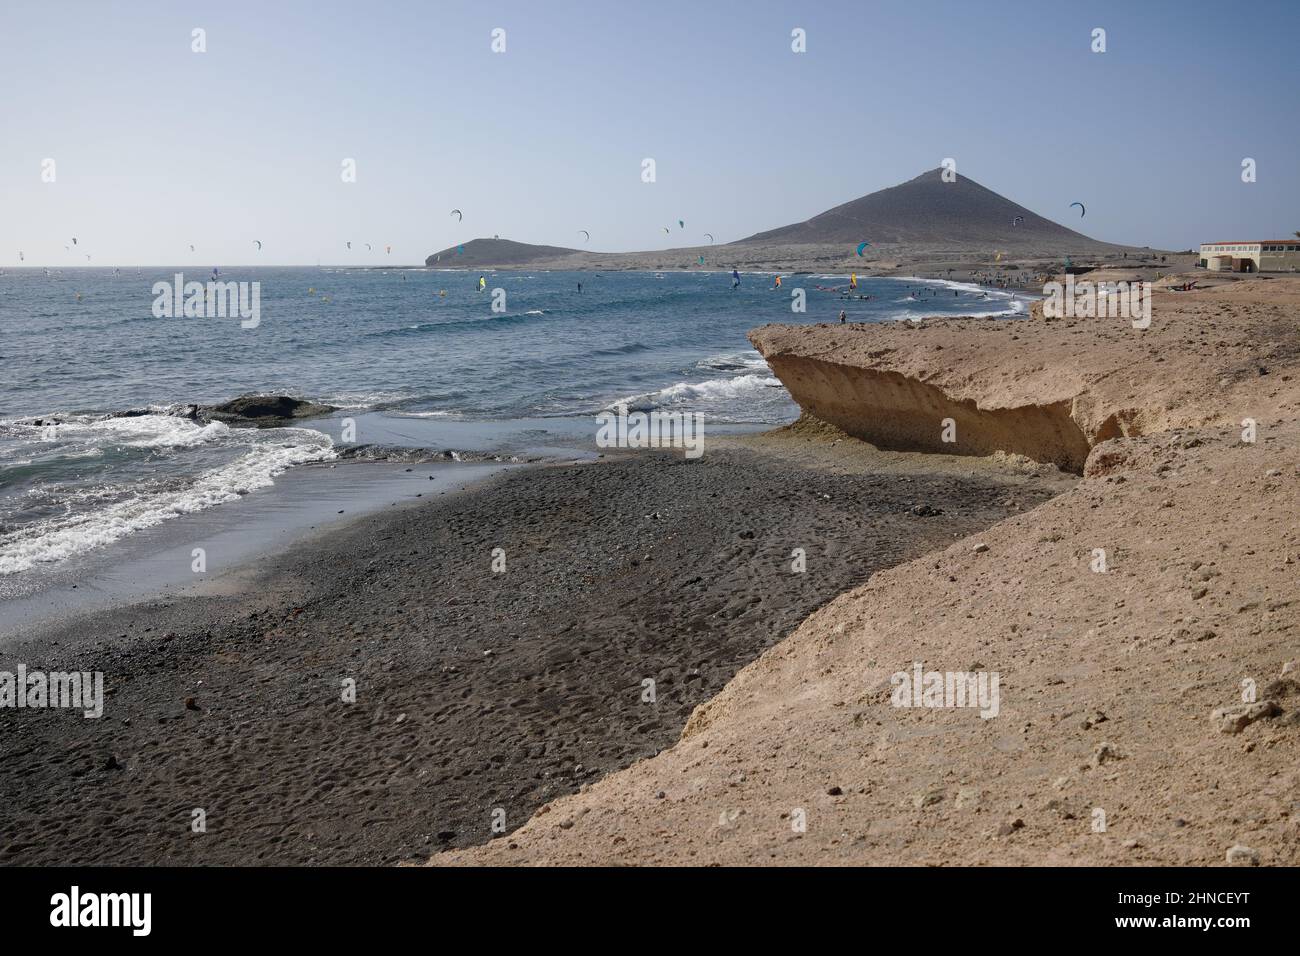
(158,147)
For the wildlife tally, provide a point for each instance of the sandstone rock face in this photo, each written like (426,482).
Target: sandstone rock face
(1048,390)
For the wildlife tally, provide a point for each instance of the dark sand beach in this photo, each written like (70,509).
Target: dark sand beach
(475,691)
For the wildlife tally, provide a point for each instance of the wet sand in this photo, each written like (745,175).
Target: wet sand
(479,695)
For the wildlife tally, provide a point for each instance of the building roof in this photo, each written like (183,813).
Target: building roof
(1249,242)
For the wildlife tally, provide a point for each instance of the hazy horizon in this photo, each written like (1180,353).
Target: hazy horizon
(157,147)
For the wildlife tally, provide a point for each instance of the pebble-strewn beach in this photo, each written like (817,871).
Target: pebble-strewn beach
(474,690)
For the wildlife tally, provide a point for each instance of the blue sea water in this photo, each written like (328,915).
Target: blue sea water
(81,346)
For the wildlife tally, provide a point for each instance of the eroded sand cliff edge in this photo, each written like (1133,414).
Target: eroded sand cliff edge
(1047,389)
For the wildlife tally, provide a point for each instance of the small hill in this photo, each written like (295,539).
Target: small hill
(926,211)
(496,253)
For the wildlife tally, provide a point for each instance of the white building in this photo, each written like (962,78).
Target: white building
(1267,255)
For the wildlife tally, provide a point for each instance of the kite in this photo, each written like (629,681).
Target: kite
(709,237)
(74,240)
(681,224)
(349,245)
(667,231)
(1082,212)
(861,246)
(701,260)
(585,233)
(368,248)
(258,244)
(191,247)
(388,249)
(460,217)
(1018,220)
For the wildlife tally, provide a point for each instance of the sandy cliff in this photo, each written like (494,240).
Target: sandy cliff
(1048,389)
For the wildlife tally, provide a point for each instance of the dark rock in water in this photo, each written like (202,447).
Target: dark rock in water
(263,410)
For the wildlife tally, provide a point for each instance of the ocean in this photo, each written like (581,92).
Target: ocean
(418,358)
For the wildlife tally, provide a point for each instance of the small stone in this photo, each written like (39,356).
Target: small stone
(980,548)
(927,798)
(1280,687)
(191,703)
(1239,855)
(1235,719)
(1104,753)
(834,792)
(1097,718)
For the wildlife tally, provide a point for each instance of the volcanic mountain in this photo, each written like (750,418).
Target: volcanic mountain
(927,211)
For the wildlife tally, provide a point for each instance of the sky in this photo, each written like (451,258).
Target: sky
(157,147)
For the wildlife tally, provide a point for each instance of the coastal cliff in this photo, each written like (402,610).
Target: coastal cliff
(1050,390)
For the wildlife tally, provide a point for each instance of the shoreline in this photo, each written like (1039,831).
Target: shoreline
(475,690)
